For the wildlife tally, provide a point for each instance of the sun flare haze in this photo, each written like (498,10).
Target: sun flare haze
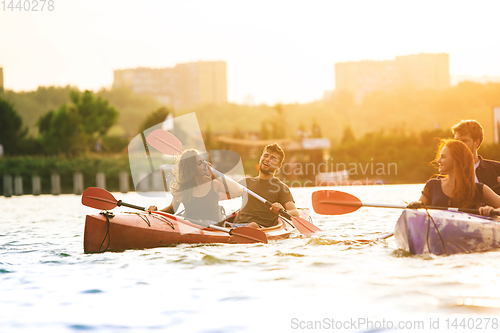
(275,51)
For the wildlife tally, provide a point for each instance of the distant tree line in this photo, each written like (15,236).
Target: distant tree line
(78,126)
(405,108)
(399,126)
(377,155)
(133,108)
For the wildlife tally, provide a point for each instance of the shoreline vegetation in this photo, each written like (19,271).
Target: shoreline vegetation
(389,136)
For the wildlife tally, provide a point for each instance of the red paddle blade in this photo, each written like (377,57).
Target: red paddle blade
(305,227)
(246,235)
(329,202)
(99,198)
(165,142)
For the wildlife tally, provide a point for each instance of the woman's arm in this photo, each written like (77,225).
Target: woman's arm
(423,199)
(426,196)
(171,209)
(421,203)
(490,197)
(233,189)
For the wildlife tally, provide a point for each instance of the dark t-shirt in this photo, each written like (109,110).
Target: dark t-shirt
(435,195)
(203,208)
(487,173)
(272,190)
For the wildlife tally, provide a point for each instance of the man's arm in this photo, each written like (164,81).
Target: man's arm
(289,207)
(488,173)
(496,188)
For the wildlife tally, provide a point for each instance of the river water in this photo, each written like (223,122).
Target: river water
(324,283)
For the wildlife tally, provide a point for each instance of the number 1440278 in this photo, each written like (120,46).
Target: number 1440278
(28,5)
(473,323)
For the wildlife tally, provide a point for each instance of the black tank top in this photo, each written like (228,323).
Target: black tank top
(436,197)
(204,208)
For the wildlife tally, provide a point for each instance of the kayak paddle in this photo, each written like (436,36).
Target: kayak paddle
(169,143)
(166,143)
(376,239)
(330,202)
(303,226)
(99,198)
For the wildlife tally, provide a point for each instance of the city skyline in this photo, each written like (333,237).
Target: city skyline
(275,51)
(183,86)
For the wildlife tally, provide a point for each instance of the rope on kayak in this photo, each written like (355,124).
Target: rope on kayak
(439,234)
(144,218)
(107,215)
(165,220)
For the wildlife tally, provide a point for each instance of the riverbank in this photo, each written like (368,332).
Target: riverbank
(24,168)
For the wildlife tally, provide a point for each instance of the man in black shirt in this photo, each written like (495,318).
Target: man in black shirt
(268,187)
(471,133)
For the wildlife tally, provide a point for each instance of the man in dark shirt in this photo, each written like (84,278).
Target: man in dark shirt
(268,187)
(471,133)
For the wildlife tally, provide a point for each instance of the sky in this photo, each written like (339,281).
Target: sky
(276,51)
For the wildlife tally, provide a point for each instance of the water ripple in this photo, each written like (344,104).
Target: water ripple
(92,291)
(46,279)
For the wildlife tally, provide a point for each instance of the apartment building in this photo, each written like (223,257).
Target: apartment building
(182,86)
(419,71)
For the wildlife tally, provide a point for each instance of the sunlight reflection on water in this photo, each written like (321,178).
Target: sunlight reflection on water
(48,284)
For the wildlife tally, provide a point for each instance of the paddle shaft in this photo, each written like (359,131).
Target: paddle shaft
(386,236)
(255,195)
(121,203)
(147,151)
(175,145)
(115,202)
(355,204)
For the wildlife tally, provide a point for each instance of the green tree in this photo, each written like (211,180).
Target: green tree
(71,129)
(315,129)
(65,134)
(154,118)
(279,123)
(95,113)
(208,138)
(32,104)
(12,132)
(132,107)
(43,122)
(264,131)
(348,135)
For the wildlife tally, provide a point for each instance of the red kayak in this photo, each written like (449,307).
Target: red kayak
(143,230)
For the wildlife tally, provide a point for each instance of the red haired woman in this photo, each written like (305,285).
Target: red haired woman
(458,188)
